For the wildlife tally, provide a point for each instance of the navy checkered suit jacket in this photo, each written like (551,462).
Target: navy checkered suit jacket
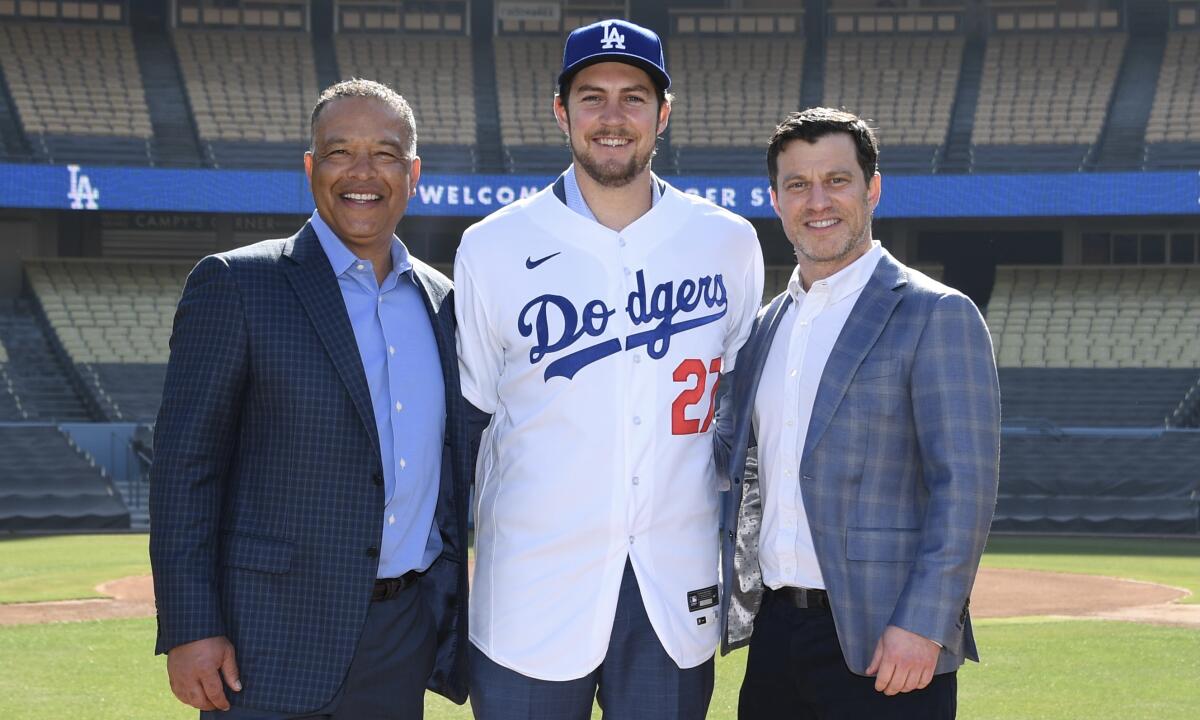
(266,494)
(899,468)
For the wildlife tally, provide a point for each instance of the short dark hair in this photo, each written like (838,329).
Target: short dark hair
(357,87)
(815,123)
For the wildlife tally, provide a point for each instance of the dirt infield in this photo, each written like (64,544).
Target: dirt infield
(998,593)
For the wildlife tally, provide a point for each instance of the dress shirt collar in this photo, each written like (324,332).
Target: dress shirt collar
(340,256)
(844,282)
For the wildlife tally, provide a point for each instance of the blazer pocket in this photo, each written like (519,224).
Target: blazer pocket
(882,544)
(877,369)
(249,552)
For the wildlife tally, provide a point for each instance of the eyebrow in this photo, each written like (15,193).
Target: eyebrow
(341,141)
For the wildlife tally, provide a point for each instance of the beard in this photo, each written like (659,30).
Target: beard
(612,173)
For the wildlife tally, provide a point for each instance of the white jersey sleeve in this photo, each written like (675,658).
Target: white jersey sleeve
(751,289)
(480,352)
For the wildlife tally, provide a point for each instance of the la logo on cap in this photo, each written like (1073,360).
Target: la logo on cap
(612,38)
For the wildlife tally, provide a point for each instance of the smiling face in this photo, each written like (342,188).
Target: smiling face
(360,172)
(612,118)
(825,204)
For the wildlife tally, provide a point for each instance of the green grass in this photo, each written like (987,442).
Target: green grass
(1170,562)
(68,567)
(1031,669)
(1081,669)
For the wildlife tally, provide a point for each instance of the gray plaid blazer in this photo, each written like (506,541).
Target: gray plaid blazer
(266,493)
(899,468)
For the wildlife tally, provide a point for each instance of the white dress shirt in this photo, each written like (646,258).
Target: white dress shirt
(783,407)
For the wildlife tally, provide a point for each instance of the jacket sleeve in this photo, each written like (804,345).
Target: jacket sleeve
(956,411)
(194,441)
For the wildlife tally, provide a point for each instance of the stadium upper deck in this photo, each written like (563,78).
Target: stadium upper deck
(994,86)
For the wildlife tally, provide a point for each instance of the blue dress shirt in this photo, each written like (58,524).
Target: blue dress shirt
(404,374)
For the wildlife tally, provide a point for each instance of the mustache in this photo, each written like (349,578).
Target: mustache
(617,132)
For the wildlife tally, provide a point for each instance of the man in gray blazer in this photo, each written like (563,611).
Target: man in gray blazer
(859,438)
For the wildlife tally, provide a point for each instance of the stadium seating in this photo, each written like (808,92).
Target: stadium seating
(1172,135)
(1083,317)
(77,90)
(1048,95)
(251,93)
(33,375)
(731,93)
(435,75)
(906,85)
(1099,483)
(10,405)
(526,70)
(114,322)
(1110,346)
(48,484)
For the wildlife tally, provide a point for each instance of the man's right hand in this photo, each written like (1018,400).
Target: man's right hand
(193,667)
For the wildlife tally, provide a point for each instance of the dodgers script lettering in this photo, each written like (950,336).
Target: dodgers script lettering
(556,324)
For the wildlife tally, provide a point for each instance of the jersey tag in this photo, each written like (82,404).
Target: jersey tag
(702,599)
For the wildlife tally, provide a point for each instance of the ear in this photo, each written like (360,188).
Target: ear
(775,203)
(308,161)
(414,176)
(874,190)
(561,116)
(664,113)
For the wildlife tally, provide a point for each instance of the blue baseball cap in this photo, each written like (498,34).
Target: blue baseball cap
(614,41)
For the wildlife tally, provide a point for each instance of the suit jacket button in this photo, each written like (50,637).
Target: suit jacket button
(372,551)
(377,478)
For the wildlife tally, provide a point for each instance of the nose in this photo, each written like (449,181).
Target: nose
(361,167)
(818,199)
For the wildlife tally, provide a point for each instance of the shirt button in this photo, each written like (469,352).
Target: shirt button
(636,480)
(792,373)
(399,407)
(391,350)
(621,242)
(637,358)
(379,299)
(360,266)
(628,271)
(791,423)
(403,463)
(391,519)
(630,539)
(637,420)
(803,323)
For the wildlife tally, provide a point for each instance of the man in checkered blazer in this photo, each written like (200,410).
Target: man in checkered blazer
(309,490)
(859,436)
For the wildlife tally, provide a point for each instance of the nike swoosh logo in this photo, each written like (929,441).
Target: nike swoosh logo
(531,263)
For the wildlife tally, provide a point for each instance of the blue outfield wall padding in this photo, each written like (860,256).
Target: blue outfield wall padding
(904,196)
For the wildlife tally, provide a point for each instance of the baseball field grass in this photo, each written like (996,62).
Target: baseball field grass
(1032,667)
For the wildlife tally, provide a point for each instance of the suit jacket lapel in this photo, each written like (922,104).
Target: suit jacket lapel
(434,295)
(867,320)
(756,358)
(316,286)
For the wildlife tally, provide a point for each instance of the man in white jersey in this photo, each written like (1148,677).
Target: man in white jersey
(596,318)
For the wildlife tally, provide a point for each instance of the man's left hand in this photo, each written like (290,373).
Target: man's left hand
(903,661)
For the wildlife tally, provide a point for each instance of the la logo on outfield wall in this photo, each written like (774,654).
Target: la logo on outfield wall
(82,195)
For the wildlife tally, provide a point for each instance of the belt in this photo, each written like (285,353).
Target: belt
(802,597)
(387,588)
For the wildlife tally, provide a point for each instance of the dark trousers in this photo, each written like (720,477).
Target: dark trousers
(796,671)
(636,681)
(387,677)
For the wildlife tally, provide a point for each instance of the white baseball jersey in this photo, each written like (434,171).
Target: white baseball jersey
(597,353)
